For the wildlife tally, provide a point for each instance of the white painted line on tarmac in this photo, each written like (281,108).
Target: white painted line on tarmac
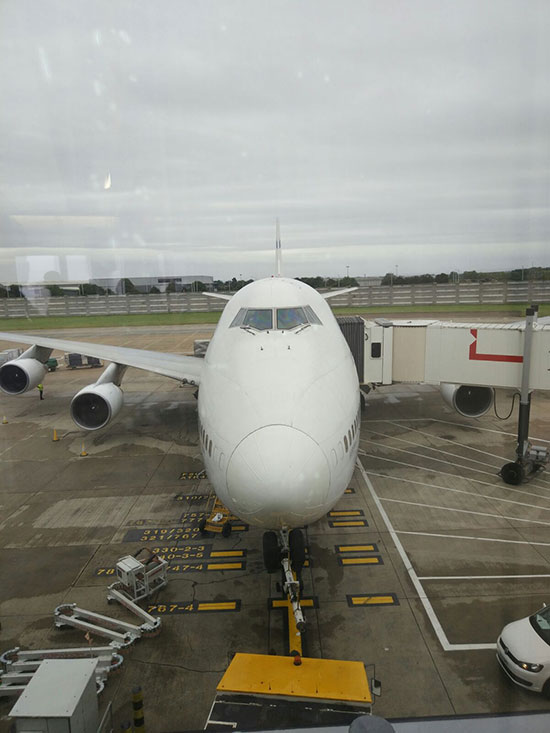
(477,539)
(428,608)
(470,493)
(465,511)
(435,470)
(461,425)
(426,447)
(479,577)
(429,458)
(448,440)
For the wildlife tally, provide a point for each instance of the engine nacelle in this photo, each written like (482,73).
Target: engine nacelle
(468,400)
(20,375)
(95,406)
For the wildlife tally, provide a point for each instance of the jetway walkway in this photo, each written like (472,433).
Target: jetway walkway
(436,352)
(467,361)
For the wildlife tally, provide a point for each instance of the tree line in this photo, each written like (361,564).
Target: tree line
(317,282)
(470,276)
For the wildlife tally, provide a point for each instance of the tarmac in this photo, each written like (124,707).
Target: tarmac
(427,557)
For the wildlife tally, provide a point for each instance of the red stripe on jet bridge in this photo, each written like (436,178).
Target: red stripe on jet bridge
(474,356)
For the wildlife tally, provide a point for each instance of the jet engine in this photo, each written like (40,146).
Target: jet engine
(94,406)
(20,375)
(468,400)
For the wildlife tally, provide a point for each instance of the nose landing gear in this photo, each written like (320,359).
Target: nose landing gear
(287,550)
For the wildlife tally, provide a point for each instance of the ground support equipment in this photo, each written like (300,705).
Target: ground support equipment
(136,579)
(151,624)
(218,519)
(291,584)
(257,688)
(530,458)
(121,632)
(19,666)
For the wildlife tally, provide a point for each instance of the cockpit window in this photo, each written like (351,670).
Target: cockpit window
(239,318)
(259,318)
(311,317)
(290,317)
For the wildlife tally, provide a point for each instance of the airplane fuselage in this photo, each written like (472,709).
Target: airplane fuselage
(279,406)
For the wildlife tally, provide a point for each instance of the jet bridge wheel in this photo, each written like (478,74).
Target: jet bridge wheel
(272,553)
(512,473)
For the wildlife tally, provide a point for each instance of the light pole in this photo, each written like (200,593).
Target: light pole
(347,273)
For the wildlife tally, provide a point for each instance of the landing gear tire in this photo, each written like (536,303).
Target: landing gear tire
(226,529)
(297,548)
(546,689)
(512,473)
(202,526)
(272,553)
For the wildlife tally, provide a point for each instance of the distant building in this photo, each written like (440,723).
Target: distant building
(144,284)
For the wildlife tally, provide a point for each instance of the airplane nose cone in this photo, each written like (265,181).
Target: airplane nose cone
(278,475)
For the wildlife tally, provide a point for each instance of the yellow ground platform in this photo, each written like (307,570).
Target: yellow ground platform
(320,679)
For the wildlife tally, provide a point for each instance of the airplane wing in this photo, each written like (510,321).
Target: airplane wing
(176,366)
(221,296)
(334,293)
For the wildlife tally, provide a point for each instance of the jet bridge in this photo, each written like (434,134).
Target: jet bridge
(467,361)
(437,352)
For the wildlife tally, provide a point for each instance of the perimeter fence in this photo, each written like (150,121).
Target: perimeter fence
(378,296)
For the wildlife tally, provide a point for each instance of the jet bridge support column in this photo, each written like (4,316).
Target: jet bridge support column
(528,459)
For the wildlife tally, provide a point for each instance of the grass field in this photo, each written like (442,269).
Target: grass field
(514,310)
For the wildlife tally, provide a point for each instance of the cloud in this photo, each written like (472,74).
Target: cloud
(373,130)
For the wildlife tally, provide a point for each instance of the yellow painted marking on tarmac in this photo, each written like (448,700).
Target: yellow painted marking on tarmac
(325,679)
(227,606)
(372,600)
(238,527)
(227,553)
(360,561)
(282,603)
(225,566)
(358,523)
(348,513)
(355,548)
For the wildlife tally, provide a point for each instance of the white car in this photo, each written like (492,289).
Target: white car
(523,651)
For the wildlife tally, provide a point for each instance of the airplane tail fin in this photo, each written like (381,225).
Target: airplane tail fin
(278,253)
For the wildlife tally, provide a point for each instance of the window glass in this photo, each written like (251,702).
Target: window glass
(239,318)
(290,317)
(346,443)
(540,622)
(259,318)
(311,317)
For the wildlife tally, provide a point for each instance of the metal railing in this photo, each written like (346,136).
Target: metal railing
(381,295)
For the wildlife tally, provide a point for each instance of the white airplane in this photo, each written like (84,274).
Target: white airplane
(278,404)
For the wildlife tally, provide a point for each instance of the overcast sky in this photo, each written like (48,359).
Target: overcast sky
(146,138)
